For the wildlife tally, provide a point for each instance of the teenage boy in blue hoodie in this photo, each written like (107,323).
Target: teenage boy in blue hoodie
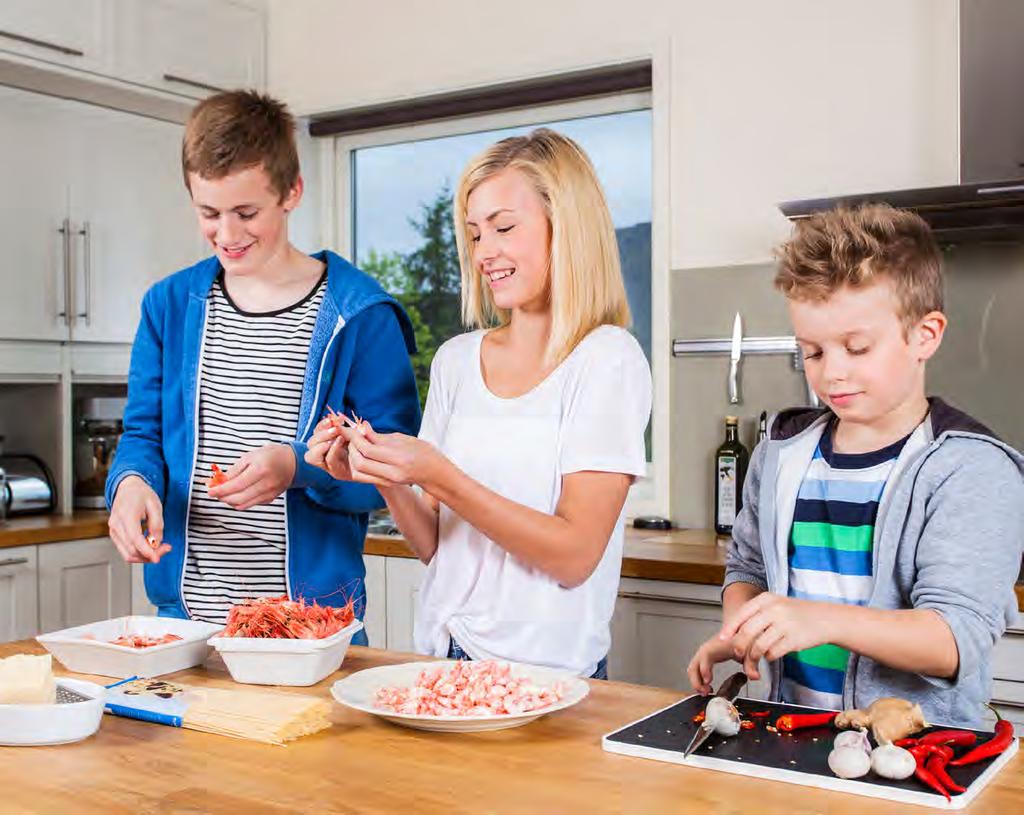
(880,536)
(235,360)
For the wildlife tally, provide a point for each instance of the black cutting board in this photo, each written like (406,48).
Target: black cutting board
(800,757)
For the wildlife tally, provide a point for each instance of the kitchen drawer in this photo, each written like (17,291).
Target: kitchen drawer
(19,604)
(1008,657)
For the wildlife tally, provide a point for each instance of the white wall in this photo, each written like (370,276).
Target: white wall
(766,100)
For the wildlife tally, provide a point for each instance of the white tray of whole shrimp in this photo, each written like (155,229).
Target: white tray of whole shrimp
(90,649)
(404,693)
(285,661)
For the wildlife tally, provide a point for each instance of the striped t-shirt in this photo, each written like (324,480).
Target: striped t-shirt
(830,556)
(251,376)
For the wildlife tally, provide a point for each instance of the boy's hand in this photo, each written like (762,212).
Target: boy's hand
(772,626)
(258,477)
(136,504)
(701,667)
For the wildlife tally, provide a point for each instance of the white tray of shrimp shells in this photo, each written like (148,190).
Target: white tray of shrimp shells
(359,691)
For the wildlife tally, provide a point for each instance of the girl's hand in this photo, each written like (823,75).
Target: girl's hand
(136,504)
(327,449)
(390,459)
(258,477)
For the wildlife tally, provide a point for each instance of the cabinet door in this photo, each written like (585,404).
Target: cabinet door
(19,607)
(132,219)
(69,32)
(375,616)
(655,635)
(404,577)
(34,167)
(191,47)
(81,582)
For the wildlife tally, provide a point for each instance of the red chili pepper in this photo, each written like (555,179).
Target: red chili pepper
(746,724)
(957,738)
(921,753)
(798,721)
(760,714)
(936,765)
(909,741)
(1001,739)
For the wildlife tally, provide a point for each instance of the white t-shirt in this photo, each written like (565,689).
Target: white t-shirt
(588,414)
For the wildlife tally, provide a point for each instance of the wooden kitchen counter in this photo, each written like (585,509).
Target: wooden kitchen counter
(362,764)
(680,555)
(31,529)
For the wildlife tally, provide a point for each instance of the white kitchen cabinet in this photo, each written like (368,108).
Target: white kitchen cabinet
(404,578)
(140,604)
(19,604)
(98,215)
(190,47)
(74,33)
(1008,674)
(131,216)
(658,626)
(375,616)
(34,165)
(81,582)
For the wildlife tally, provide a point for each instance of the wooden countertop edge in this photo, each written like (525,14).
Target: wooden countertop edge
(32,529)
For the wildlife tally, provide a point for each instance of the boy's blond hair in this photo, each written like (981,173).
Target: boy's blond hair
(586,280)
(856,247)
(235,130)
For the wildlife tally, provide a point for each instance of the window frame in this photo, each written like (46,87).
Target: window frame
(650,495)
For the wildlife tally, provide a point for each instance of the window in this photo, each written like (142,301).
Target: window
(395,205)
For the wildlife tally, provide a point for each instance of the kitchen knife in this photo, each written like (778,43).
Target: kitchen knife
(729,689)
(735,351)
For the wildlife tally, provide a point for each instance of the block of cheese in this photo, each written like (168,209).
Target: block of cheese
(27,679)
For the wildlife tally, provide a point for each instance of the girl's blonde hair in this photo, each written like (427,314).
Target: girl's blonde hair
(586,279)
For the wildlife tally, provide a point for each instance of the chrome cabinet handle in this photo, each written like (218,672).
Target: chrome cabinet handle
(63,49)
(14,561)
(65,233)
(86,269)
(667,598)
(181,80)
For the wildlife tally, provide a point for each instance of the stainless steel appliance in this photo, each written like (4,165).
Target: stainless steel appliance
(97,433)
(29,486)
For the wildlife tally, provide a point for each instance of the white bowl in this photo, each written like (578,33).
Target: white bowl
(358,690)
(96,655)
(279,661)
(63,723)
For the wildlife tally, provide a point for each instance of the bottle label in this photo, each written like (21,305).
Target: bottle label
(725,512)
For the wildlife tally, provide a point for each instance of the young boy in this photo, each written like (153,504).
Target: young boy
(881,535)
(235,360)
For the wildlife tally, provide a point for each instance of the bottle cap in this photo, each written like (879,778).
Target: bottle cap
(731,420)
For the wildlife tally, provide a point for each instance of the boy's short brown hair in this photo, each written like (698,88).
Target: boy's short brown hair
(856,247)
(234,130)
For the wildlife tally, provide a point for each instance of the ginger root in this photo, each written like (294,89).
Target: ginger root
(889,718)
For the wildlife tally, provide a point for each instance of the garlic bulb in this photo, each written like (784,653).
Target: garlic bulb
(722,716)
(849,762)
(890,761)
(853,738)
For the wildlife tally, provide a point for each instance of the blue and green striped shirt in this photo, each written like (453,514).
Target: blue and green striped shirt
(830,556)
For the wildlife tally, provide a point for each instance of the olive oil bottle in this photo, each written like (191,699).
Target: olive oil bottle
(730,469)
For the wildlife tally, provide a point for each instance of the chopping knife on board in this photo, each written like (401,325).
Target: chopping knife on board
(729,690)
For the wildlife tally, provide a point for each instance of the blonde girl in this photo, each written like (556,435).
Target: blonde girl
(534,424)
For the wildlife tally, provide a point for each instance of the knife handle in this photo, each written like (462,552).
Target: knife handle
(734,389)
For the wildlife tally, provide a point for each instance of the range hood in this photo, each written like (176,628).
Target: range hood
(988,204)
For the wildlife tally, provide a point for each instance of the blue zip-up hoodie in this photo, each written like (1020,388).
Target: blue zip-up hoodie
(358,361)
